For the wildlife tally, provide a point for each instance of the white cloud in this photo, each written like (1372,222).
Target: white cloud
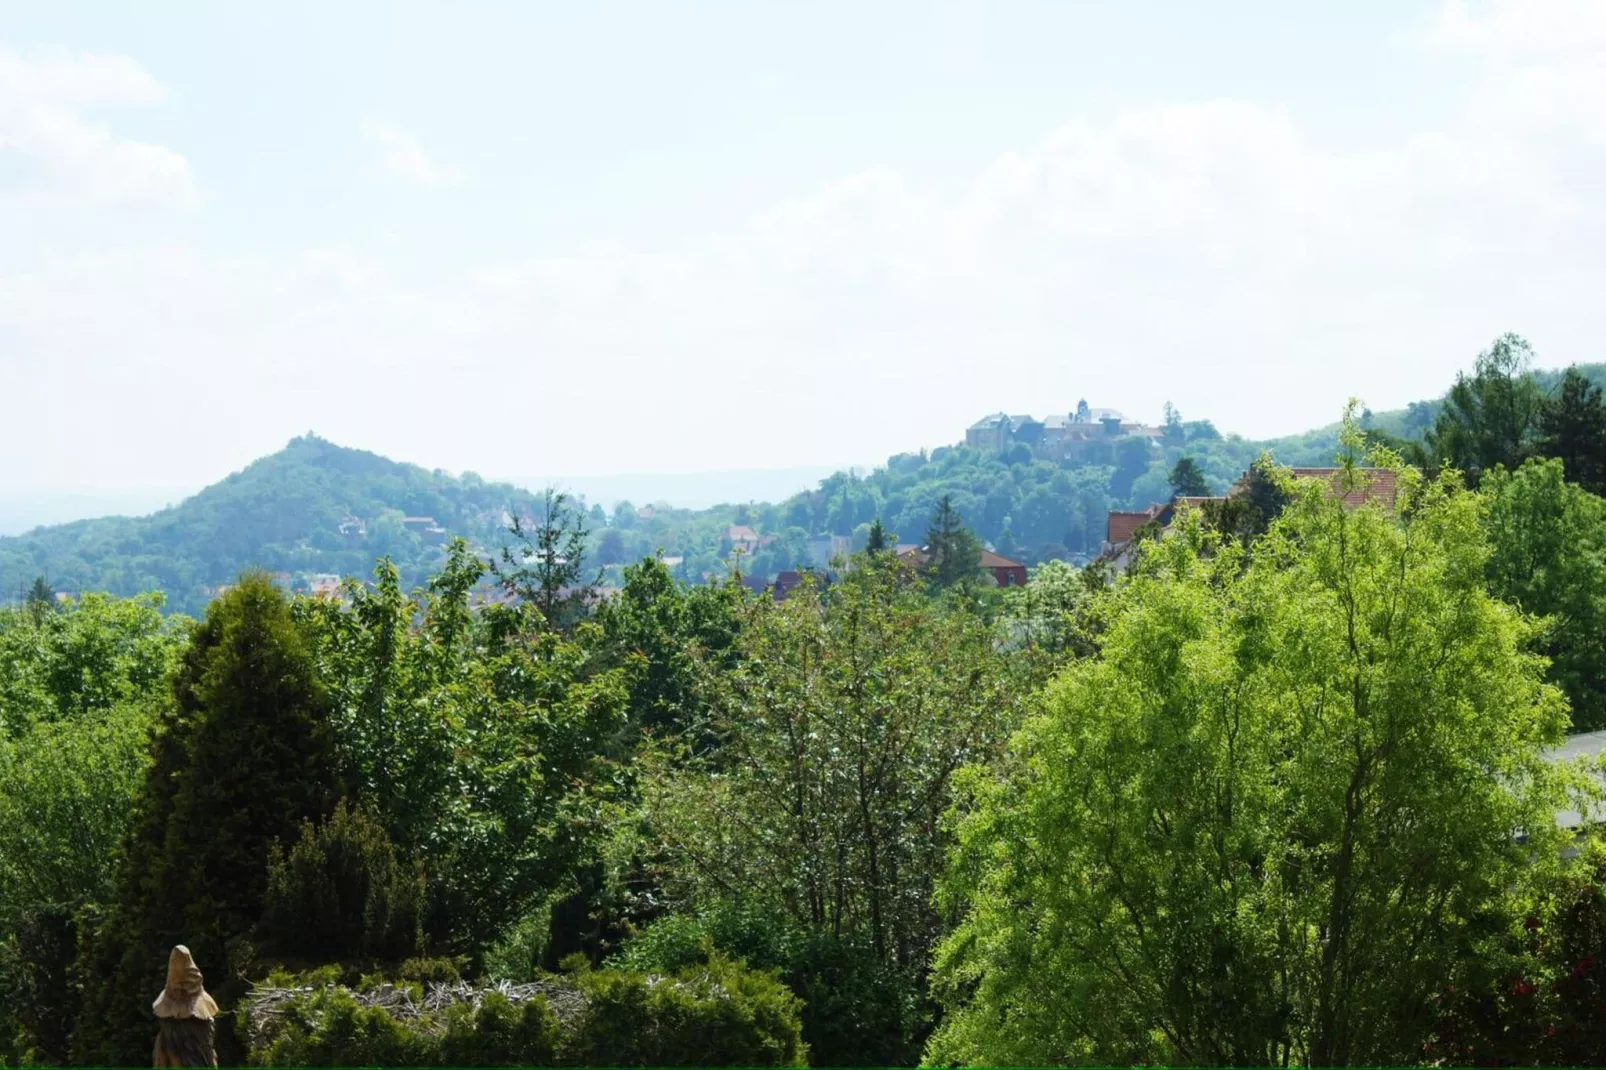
(405,157)
(45,101)
(1545,30)
(1216,254)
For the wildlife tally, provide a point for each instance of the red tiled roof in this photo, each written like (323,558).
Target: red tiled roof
(1124,524)
(741,533)
(917,556)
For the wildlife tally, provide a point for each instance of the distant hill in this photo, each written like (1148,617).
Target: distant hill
(315,509)
(312,507)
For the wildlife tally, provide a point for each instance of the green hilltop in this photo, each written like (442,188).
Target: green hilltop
(312,507)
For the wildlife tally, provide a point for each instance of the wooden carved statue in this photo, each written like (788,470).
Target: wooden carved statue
(184,1014)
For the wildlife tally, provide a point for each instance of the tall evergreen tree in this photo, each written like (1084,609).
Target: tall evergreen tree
(1572,427)
(877,540)
(953,553)
(240,760)
(1187,481)
(40,600)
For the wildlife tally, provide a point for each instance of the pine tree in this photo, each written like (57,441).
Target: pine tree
(877,541)
(243,757)
(1187,481)
(1572,427)
(953,553)
(547,571)
(40,601)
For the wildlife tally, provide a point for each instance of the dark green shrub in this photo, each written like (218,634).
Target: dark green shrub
(501,1034)
(856,1009)
(719,1014)
(330,1028)
(341,892)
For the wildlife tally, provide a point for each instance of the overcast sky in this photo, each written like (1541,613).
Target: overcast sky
(588,238)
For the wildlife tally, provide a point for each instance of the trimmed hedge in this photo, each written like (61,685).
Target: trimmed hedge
(716,1014)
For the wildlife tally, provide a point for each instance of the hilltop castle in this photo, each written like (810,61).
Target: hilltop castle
(1083,434)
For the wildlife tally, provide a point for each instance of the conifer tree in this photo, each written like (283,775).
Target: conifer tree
(1187,481)
(1492,416)
(1572,426)
(548,570)
(953,553)
(877,541)
(240,760)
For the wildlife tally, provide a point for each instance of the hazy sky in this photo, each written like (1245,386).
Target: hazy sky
(583,238)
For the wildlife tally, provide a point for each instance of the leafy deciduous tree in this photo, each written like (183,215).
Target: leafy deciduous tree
(1270,819)
(1548,555)
(1492,416)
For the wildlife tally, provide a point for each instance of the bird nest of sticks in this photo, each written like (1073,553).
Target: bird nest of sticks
(269,1006)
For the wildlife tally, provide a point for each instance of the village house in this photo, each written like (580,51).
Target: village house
(741,538)
(785,582)
(823,549)
(1005,571)
(425,528)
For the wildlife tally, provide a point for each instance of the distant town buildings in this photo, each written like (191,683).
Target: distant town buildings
(742,539)
(425,528)
(1077,435)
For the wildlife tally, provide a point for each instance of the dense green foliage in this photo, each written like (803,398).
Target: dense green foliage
(1273,816)
(1548,555)
(820,806)
(79,686)
(1279,792)
(475,737)
(341,893)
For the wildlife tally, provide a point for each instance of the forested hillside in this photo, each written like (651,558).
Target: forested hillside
(313,507)
(316,509)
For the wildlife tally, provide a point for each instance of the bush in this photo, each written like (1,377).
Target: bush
(341,892)
(718,1014)
(331,1028)
(856,1010)
(502,1034)
(715,1015)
